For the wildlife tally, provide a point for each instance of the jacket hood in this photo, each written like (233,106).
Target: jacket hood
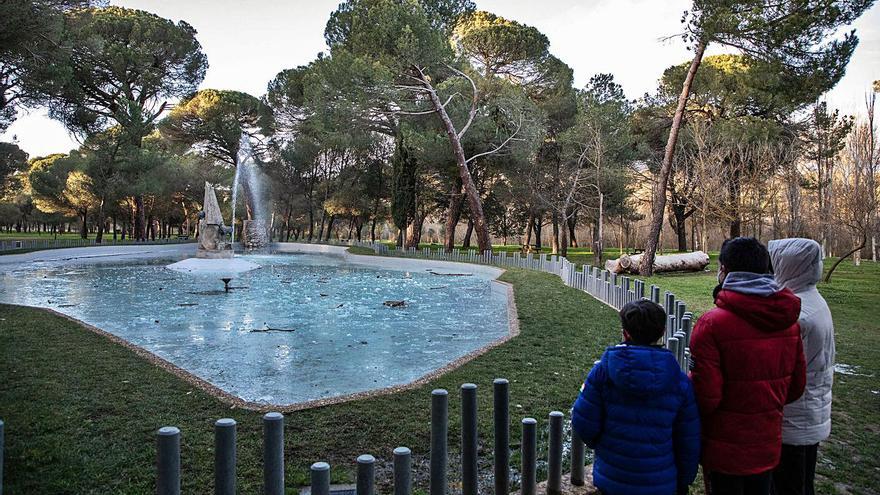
(797,263)
(771,313)
(642,369)
(754,284)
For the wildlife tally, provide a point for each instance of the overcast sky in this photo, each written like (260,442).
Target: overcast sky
(249,41)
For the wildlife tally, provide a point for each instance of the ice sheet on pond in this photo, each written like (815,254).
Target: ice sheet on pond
(303,327)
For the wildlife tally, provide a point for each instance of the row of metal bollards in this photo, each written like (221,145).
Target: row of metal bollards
(169,473)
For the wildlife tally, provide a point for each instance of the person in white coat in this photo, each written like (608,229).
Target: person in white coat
(797,265)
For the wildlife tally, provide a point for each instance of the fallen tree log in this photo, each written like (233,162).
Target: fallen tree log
(679,262)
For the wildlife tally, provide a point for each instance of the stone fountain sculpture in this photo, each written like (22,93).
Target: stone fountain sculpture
(214,255)
(213,234)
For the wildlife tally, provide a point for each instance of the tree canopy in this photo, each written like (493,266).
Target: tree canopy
(213,121)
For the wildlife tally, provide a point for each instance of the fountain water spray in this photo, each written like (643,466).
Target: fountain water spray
(247,176)
(235,182)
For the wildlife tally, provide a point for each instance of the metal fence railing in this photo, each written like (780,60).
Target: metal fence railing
(38,244)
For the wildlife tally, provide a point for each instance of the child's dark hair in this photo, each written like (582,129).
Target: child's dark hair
(744,254)
(644,321)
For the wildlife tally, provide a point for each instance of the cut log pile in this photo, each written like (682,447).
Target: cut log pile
(680,262)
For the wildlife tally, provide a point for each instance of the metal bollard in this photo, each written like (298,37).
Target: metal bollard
(673,345)
(670,326)
(366,475)
(502,436)
(439,448)
(577,460)
(680,309)
(679,335)
(402,471)
(554,456)
(224,456)
(469,439)
(273,453)
(529,456)
(2,439)
(687,327)
(320,472)
(168,461)
(655,294)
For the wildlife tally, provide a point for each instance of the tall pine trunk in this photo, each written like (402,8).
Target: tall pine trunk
(478,217)
(453,215)
(84,228)
(659,207)
(99,235)
(140,223)
(466,242)
(679,224)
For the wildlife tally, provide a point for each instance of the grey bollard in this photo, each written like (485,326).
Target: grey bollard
(402,471)
(680,309)
(501,389)
(168,461)
(577,460)
(673,345)
(2,439)
(366,475)
(554,456)
(320,473)
(469,439)
(687,327)
(670,326)
(655,294)
(273,453)
(439,447)
(224,456)
(529,457)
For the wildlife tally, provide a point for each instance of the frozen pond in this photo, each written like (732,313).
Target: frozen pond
(301,328)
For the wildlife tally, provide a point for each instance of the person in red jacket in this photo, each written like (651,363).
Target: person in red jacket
(748,362)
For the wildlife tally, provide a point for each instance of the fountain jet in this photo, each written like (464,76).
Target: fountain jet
(255,229)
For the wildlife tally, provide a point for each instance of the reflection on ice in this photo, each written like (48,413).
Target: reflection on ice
(322,329)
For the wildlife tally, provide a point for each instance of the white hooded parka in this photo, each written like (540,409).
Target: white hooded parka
(797,265)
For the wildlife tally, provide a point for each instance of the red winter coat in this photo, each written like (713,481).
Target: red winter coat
(748,363)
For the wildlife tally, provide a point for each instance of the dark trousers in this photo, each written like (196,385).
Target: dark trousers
(729,484)
(796,470)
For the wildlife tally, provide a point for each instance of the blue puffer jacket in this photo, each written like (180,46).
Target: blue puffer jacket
(637,411)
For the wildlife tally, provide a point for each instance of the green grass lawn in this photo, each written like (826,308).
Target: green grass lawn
(81,411)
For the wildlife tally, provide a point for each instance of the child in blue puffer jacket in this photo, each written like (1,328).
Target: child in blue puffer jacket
(637,411)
